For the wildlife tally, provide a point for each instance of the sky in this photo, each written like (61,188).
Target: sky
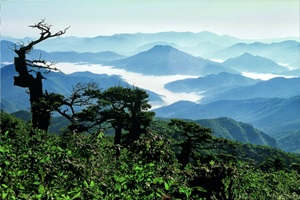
(245,19)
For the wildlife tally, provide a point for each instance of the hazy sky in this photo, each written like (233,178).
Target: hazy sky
(247,19)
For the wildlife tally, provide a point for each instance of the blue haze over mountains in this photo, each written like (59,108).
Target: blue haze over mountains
(272,106)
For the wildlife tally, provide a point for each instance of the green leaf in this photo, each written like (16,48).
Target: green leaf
(167,186)
(85,183)
(76,195)
(6,162)
(137,168)
(201,189)
(92,184)
(59,148)
(3,185)
(120,179)
(4,150)
(185,190)
(6,133)
(42,173)
(41,189)
(19,173)
(151,165)
(157,194)
(212,162)
(100,135)
(158,180)
(4,195)
(69,152)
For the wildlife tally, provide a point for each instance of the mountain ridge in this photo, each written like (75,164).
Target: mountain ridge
(7,55)
(166,60)
(13,97)
(212,83)
(281,52)
(222,127)
(243,132)
(267,114)
(257,64)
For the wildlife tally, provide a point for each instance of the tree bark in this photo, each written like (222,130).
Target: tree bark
(40,111)
(117,140)
(40,115)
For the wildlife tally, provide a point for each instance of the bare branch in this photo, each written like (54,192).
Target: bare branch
(45,34)
(42,64)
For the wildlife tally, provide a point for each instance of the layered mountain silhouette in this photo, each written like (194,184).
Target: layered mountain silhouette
(227,86)
(166,60)
(267,114)
(127,44)
(274,88)
(256,64)
(290,142)
(15,98)
(227,97)
(286,52)
(211,84)
(7,55)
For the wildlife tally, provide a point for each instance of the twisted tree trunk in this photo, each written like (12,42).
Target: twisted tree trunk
(40,116)
(40,112)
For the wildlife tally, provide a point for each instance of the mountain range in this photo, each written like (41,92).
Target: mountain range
(221,127)
(257,64)
(205,44)
(217,63)
(128,44)
(15,98)
(227,86)
(270,115)
(211,85)
(7,55)
(166,60)
(278,87)
(286,52)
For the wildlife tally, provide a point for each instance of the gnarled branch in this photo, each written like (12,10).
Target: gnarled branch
(45,34)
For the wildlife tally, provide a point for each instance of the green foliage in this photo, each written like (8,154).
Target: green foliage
(127,109)
(9,123)
(255,184)
(73,166)
(83,166)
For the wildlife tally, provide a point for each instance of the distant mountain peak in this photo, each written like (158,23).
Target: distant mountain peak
(163,49)
(167,60)
(254,63)
(160,46)
(247,55)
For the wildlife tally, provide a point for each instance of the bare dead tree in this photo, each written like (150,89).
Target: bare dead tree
(40,114)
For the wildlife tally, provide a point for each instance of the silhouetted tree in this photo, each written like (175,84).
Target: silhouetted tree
(127,109)
(192,137)
(39,100)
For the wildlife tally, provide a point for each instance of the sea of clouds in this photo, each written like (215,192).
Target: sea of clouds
(153,83)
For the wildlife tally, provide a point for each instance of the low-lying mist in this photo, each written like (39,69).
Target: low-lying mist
(153,83)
